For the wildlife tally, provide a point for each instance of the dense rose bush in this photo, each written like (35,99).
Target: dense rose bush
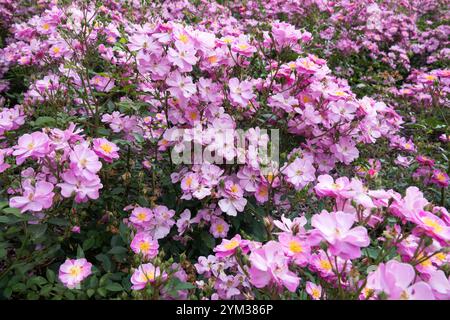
(224,150)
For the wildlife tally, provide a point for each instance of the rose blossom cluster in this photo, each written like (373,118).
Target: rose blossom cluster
(335,243)
(67,161)
(426,89)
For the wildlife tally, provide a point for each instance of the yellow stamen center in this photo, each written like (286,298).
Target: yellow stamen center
(141,216)
(75,271)
(295,247)
(144,247)
(231,245)
(324,264)
(106,147)
(433,224)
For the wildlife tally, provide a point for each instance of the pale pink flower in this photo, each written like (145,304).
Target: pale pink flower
(180,87)
(183,56)
(269,265)
(315,291)
(31,145)
(105,149)
(295,247)
(300,172)
(146,274)
(84,162)
(336,229)
(81,187)
(240,92)
(34,198)
(395,280)
(228,247)
(219,228)
(144,244)
(345,150)
(102,84)
(141,217)
(73,271)
(327,187)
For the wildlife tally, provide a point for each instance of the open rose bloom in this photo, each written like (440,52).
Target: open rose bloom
(73,271)
(241,150)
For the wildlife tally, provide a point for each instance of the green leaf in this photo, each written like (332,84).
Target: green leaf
(59,222)
(80,252)
(13,211)
(46,290)
(44,122)
(5,219)
(208,239)
(183,285)
(88,243)
(90,292)
(37,230)
(102,292)
(114,286)
(51,276)
(7,293)
(36,280)
(103,132)
(18,287)
(104,259)
(118,250)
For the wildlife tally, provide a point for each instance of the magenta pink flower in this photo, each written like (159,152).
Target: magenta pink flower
(219,228)
(295,247)
(228,247)
(146,274)
(35,145)
(395,280)
(73,271)
(336,229)
(34,198)
(315,291)
(433,226)
(269,265)
(141,217)
(440,285)
(242,47)
(425,161)
(144,244)
(440,178)
(410,205)
(106,150)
